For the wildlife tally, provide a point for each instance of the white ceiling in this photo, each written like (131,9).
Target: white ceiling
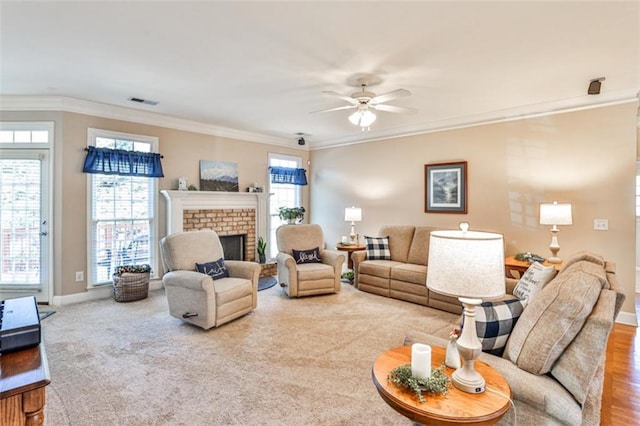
(261,67)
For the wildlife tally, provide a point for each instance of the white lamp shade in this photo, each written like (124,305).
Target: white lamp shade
(466,264)
(353,214)
(555,214)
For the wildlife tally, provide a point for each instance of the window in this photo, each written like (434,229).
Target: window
(283,195)
(122,213)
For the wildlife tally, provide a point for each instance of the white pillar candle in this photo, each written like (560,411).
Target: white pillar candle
(420,361)
(344,239)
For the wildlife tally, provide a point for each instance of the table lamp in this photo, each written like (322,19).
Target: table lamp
(555,214)
(468,265)
(353,214)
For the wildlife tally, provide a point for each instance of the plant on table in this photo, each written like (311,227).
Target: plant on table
(291,214)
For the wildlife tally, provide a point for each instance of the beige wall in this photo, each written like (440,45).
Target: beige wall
(586,158)
(182,152)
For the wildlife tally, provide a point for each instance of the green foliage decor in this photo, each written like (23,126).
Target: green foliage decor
(437,383)
(133,269)
(262,246)
(291,213)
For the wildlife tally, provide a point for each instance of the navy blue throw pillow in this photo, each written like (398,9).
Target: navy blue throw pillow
(216,269)
(307,256)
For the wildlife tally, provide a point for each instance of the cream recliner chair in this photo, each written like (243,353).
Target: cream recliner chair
(307,279)
(196,297)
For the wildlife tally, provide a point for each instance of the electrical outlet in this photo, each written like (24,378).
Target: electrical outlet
(79,276)
(601,224)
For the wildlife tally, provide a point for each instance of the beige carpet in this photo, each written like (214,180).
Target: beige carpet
(290,362)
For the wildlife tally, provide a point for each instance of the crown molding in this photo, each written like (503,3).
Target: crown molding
(56,103)
(491,117)
(79,106)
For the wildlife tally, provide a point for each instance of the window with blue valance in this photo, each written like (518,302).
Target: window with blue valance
(288,175)
(108,161)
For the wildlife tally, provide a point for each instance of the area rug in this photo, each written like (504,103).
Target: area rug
(45,314)
(300,361)
(266,282)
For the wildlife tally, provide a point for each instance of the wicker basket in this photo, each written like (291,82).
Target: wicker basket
(130,286)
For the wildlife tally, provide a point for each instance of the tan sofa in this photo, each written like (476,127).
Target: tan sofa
(555,356)
(405,275)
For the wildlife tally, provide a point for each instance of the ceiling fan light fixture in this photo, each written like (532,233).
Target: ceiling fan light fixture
(362,117)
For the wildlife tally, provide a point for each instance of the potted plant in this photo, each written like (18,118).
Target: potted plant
(291,215)
(262,247)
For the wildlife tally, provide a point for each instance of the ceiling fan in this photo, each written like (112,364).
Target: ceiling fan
(364,101)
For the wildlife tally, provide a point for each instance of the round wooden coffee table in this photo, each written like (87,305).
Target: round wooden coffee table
(454,408)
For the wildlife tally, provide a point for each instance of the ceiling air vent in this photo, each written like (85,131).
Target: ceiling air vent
(143,101)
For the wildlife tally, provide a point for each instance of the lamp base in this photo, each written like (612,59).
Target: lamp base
(554,259)
(464,385)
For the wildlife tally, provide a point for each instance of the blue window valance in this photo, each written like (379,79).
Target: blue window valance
(288,175)
(108,161)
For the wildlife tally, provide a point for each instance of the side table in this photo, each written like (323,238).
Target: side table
(454,408)
(24,375)
(350,249)
(515,268)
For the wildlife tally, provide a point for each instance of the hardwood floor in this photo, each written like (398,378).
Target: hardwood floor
(621,393)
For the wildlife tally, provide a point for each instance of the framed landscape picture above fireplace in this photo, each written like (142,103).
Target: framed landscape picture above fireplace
(445,187)
(218,176)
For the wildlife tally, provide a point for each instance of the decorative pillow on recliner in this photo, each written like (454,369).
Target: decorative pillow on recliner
(536,277)
(307,256)
(216,269)
(494,322)
(378,248)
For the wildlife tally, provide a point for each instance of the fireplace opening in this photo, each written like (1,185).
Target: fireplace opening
(233,246)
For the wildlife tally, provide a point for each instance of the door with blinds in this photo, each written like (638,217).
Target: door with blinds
(24,230)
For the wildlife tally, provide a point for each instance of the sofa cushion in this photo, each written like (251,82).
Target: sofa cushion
(400,238)
(215,269)
(494,322)
(377,268)
(533,280)
(411,273)
(555,316)
(577,366)
(419,250)
(307,256)
(378,248)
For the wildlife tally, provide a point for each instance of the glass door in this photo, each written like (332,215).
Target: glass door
(24,231)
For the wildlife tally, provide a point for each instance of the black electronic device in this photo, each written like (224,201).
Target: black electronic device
(19,324)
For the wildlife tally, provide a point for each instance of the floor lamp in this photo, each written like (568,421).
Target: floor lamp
(468,265)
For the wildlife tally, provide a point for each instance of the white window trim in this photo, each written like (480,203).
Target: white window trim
(92,134)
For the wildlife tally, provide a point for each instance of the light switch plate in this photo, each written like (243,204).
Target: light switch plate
(601,224)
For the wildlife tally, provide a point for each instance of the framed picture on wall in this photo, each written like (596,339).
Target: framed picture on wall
(445,187)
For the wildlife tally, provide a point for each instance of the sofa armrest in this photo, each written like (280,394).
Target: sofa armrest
(510,285)
(243,269)
(188,279)
(357,257)
(333,258)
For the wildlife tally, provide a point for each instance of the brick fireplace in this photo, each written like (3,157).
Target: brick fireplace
(227,213)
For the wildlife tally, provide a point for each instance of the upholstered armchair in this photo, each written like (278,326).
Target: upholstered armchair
(197,297)
(314,272)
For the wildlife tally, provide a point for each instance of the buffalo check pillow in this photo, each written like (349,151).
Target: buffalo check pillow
(378,248)
(494,322)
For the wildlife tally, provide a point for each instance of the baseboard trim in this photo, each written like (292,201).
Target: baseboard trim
(96,294)
(627,318)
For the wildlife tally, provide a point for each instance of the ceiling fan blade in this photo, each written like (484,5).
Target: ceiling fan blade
(334,109)
(343,97)
(386,97)
(393,108)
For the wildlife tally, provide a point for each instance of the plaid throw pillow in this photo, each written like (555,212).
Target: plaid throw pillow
(494,322)
(378,248)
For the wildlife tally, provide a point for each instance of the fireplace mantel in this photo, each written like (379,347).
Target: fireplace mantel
(178,201)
